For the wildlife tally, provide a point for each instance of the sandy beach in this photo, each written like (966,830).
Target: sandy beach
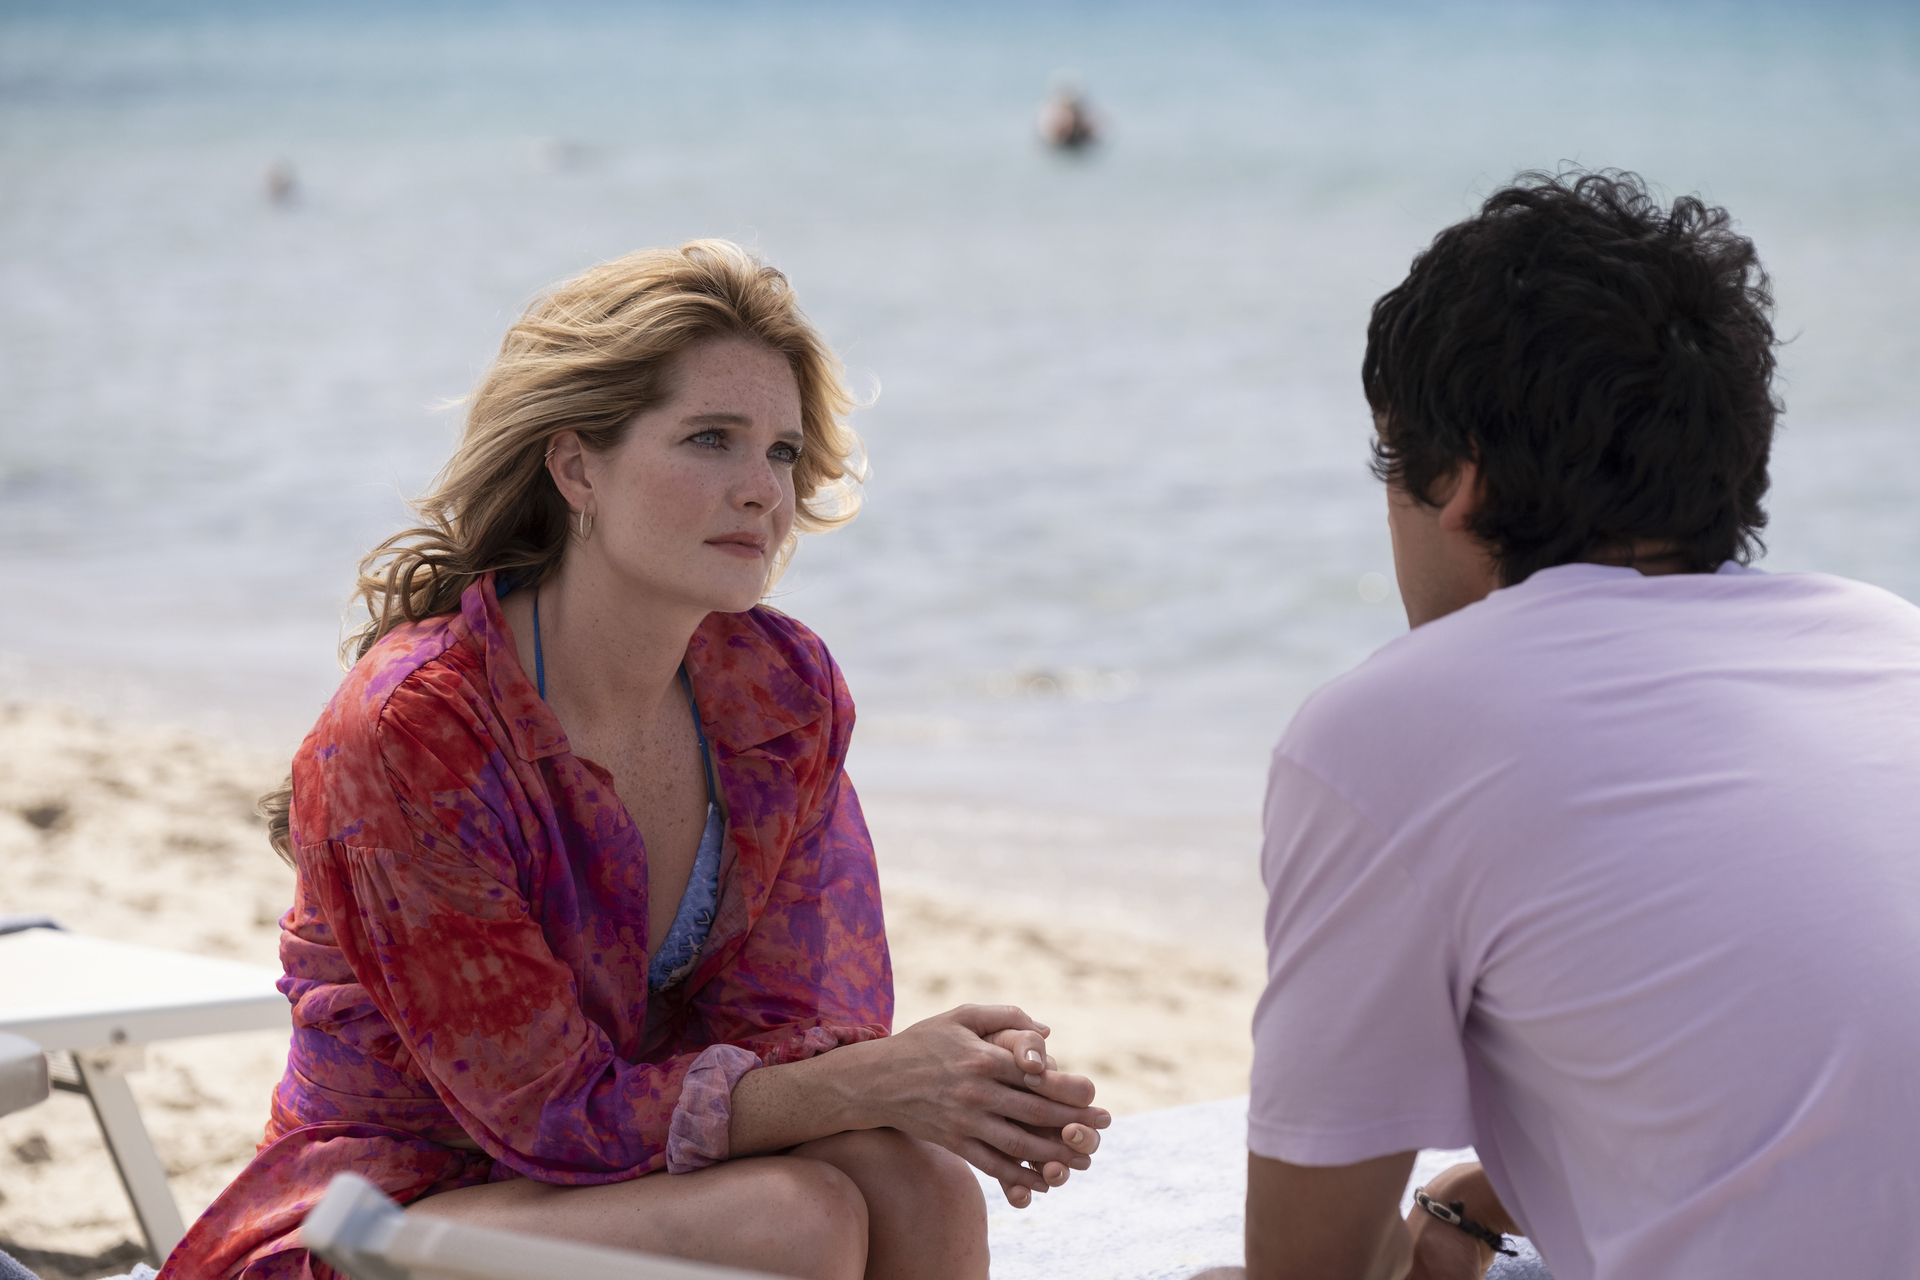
(148,834)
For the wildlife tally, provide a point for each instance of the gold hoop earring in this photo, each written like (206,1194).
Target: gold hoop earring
(583,522)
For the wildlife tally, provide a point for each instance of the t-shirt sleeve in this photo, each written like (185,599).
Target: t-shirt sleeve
(1357,1037)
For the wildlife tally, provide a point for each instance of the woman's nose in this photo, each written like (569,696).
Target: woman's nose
(761,487)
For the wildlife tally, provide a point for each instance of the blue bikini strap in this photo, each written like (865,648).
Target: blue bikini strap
(539,659)
(706,753)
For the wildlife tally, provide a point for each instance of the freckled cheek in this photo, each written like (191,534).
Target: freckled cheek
(665,523)
(686,502)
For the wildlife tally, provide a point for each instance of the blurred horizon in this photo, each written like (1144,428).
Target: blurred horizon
(1120,521)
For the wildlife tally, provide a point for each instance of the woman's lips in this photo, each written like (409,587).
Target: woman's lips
(747,546)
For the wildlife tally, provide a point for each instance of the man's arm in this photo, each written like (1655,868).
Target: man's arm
(1344,1223)
(1339,1223)
(1443,1252)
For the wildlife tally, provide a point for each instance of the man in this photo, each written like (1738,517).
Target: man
(1611,867)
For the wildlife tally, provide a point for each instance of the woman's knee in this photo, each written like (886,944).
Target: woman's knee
(944,1176)
(925,1214)
(928,1183)
(950,1186)
(815,1212)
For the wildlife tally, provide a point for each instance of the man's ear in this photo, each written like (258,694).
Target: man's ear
(1459,507)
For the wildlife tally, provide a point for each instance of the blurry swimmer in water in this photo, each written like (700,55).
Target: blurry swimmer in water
(278,183)
(1067,122)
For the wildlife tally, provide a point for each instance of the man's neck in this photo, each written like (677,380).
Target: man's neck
(1653,558)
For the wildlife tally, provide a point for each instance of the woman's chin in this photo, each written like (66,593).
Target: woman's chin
(739,600)
(730,592)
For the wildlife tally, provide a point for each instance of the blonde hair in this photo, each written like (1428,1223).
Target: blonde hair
(590,356)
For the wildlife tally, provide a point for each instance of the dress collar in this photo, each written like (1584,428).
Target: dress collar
(535,729)
(747,688)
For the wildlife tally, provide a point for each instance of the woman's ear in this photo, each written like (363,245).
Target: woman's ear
(567,464)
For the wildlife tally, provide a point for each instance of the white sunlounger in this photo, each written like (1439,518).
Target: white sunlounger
(92,1005)
(23,1074)
(365,1235)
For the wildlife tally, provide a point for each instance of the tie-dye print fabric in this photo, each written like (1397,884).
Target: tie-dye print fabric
(467,950)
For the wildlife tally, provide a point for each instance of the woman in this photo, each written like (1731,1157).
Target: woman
(584,892)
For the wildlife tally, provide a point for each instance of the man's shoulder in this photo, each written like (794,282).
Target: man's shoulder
(1499,668)
(1844,601)
(1415,680)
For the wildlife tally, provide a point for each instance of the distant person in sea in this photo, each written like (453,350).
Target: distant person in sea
(1067,121)
(1609,868)
(586,909)
(279,183)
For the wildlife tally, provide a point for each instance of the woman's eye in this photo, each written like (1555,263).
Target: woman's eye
(708,439)
(784,452)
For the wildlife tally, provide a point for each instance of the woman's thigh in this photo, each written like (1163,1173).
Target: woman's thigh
(780,1214)
(927,1219)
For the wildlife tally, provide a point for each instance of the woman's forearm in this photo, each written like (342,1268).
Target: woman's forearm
(947,1080)
(779,1107)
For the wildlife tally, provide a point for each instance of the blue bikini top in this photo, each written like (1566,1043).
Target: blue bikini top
(674,959)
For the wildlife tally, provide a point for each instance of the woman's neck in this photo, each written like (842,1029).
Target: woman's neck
(610,655)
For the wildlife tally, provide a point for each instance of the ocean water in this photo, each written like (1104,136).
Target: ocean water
(1119,520)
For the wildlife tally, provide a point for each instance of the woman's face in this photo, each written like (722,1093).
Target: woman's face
(691,508)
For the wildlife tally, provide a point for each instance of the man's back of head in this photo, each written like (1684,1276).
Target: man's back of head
(1606,361)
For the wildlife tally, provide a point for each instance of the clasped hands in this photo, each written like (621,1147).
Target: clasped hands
(978,1081)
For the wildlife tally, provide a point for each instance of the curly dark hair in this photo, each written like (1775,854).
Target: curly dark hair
(1606,362)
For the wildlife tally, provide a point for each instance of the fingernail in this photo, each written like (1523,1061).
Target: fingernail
(1033,1055)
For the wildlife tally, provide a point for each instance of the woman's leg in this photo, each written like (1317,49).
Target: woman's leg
(779,1214)
(926,1218)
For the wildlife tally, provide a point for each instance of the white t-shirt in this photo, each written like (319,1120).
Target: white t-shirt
(1617,879)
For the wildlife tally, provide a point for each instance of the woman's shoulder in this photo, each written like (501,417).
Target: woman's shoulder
(408,663)
(414,691)
(781,641)
(761,674)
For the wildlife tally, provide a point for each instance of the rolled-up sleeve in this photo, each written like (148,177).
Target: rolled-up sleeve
(697,1136)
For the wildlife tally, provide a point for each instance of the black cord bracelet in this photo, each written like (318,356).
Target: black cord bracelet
(1455,1215)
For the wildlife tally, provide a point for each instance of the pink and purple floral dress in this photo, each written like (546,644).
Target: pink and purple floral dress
(467,950)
